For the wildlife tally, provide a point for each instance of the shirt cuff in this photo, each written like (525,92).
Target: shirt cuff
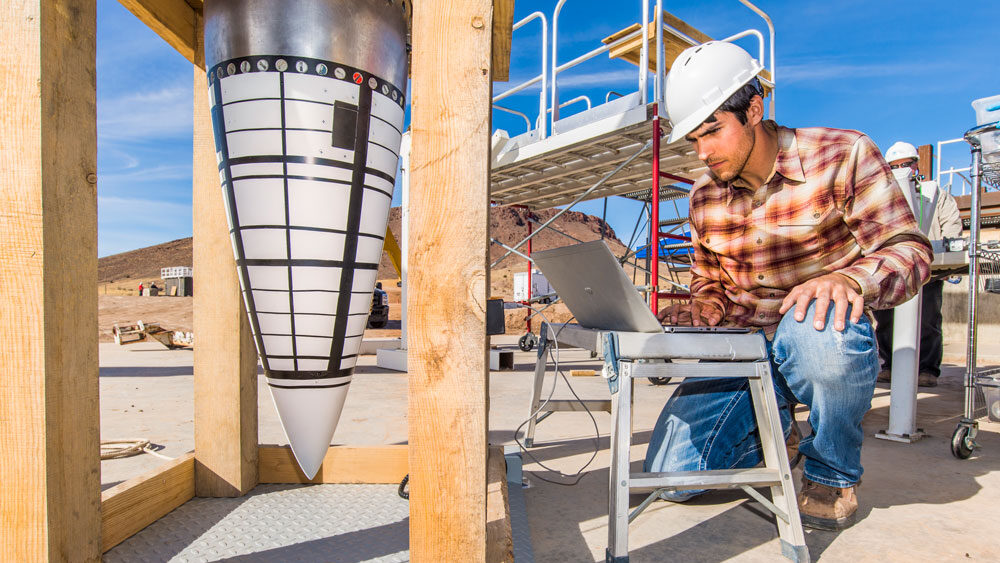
(869,287)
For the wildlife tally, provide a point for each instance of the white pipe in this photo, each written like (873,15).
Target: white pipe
(603,49)
(905,354)
(574,100)
(770,27)
(760,42)
(658,82)
(554,61)
(515,112)
(515,89)
(644,53)
(404,229)
(543,96)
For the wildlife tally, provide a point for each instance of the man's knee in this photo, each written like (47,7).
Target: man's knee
(827,355)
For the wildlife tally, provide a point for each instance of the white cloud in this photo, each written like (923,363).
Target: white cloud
(820,70)
(158,114)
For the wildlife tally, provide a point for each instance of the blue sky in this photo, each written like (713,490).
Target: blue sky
(892,69)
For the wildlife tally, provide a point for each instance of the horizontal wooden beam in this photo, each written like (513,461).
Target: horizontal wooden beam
(342,464)
(130,506)
(173,20)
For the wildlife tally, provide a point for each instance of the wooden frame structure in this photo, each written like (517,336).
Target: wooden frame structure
(49,413)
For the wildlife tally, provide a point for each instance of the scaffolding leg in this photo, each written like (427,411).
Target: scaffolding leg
(536,394)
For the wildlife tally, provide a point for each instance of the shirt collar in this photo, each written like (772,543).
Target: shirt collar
(787,162)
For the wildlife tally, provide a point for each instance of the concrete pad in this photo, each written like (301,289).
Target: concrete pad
(918,503)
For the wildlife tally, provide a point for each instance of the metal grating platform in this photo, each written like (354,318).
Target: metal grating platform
(344,523)
(556,170)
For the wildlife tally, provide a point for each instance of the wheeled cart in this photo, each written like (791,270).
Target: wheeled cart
(982,388)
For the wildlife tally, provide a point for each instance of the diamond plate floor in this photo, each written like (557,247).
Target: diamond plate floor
(342,523)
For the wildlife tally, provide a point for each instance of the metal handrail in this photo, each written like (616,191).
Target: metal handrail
(643,55)
(951,171)
(770,27)
(575,100)
(543,77)
(515,112)
(760,42)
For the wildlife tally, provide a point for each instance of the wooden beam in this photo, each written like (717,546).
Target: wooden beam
(173,20)
(673,46)
(503,24)
(925,162)
(130,506)
(225,360)
(449,228)
(49,413)
(499,539)
(342,464)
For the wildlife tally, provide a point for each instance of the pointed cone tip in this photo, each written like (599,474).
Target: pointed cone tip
(309,418)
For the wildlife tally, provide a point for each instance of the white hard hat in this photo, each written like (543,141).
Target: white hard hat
(702,79)
(900,150)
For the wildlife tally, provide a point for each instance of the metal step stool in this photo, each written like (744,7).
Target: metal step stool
(630,355)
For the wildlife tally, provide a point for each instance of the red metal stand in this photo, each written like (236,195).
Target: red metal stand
(654,220)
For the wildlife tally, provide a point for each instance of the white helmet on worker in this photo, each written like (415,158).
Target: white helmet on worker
(900,150)
(701,79)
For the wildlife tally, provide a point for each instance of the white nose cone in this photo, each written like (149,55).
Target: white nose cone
(309,411)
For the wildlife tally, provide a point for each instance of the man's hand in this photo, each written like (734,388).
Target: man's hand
(840,289)
(695,313)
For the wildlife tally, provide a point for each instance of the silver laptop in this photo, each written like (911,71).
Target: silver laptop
(589,279)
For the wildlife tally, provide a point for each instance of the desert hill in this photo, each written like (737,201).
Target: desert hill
(124,271)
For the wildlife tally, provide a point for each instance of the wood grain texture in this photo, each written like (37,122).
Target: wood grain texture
(499,539)
(503,24)
(673,46)
(225,360)
(173,20)
(130,506)
(342,464)
(925,154)
(448,280)
(49,417)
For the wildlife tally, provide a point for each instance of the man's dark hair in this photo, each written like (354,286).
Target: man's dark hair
(739,102)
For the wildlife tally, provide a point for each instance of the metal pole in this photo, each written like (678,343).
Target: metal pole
(975,210)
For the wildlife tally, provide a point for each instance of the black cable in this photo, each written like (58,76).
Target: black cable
(402,492)
(597,433)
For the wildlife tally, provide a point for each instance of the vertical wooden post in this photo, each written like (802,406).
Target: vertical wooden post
(925,153)
(225,360)
(49,417)
(449,205)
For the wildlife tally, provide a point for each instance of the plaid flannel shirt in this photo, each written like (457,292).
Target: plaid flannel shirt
(830,205)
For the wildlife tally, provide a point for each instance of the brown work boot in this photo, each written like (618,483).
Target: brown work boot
(926,379)
(827,508)
(885,376)
(792,446)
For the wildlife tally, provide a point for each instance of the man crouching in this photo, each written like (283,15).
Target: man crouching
(798,232)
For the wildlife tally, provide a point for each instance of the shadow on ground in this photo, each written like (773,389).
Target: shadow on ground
(569,523)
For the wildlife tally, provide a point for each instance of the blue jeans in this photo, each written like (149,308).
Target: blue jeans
(709,423)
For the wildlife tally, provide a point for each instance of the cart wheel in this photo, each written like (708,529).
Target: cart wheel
(961,444)
(659,380)
(527,342)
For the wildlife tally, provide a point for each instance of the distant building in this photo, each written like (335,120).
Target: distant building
(178,280)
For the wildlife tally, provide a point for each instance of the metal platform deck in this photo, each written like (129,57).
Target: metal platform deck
(559,169)
(279,523)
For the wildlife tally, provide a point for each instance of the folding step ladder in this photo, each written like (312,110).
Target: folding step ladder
(631,355)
